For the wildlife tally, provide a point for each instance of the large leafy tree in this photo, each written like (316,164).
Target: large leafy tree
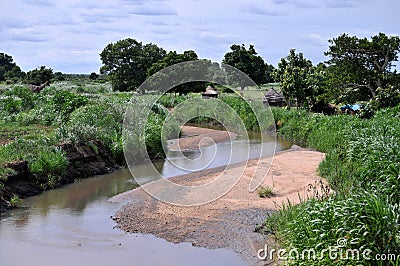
(248,61)
(299,79)
(8,68)
(128,61)
(361,68)
(173,58)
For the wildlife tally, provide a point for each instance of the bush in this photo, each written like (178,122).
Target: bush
(43,157)
(265,192)
(66,102)
(362,165)
(363,221)
(23,93)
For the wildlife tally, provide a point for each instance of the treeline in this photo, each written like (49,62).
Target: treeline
(10,73)
(358,70)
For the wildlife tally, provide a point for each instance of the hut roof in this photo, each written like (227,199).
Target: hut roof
(210,90)
(274,96)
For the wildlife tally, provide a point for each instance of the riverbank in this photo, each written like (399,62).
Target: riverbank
(83,161)
(228,222)
(86,160)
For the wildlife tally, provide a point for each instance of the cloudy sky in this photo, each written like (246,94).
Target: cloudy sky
(69,35)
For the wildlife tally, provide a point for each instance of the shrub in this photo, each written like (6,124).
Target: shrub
(362,165)
(265,192)
(15,201)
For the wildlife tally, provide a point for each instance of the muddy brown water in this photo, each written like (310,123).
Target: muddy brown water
(72,225)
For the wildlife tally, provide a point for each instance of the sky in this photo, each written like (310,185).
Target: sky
(68,36)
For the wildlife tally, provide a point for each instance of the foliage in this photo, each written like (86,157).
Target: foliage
(51,163)
(8,69)
(362,166)
(15,201)
(299,79)
(39,76)
(247,61)
(58,76)
(265,192)
(360,66)
(244,110)
(65,102)
(127,61)
(23,93)
(362,221)
(93,76)
(173,58)
(101,121)
(41,153)
(170,100)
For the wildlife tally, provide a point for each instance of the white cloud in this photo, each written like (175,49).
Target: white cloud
(69,35)
(261,10)
(316,40)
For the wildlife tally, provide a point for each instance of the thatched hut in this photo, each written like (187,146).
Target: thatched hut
(274,98)
(209,93)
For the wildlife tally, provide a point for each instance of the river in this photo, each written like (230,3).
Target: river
(72,225)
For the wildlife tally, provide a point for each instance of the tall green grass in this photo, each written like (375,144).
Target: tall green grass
(362,165)
(33,124)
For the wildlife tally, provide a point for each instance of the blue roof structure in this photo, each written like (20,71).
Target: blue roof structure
(354,107)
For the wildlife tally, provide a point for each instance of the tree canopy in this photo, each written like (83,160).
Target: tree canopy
(299,79)
(362,68)
(8,68)
(173,58)
(128,61)
(39,76)
(247,61)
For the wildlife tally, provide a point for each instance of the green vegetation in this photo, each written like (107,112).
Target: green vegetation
(246,111)
(249,62)
(265,192)
(301,82)
(9,71)
(361,68)
(362,167)
(39,75)
(15,201)
(362,161)
(34,124)
(127,61)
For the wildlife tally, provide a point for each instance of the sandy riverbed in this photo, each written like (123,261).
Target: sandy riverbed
(196,137)
(229,221)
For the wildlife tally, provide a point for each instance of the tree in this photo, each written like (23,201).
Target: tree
(128,61)
(8,69)
(248,62)
(173,58)
(269,73)
(362,68)
(298,79)
(58,76)
(93,76)
(39,76)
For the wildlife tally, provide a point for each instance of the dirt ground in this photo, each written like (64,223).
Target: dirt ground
(229,221)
